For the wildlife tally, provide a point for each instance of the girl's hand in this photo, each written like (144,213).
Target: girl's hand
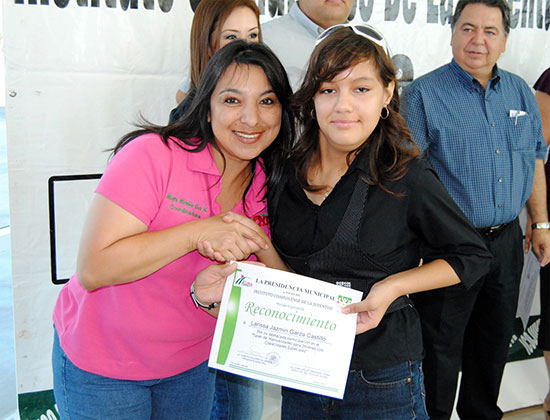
(371,309)
(428,276)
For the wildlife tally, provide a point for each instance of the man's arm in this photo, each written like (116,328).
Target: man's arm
(536,206)
(412,109)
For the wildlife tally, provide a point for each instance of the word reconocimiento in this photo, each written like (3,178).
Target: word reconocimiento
(254,310)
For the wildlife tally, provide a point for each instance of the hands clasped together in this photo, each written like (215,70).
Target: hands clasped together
(235,239)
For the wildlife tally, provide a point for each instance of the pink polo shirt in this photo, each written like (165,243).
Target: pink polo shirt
(150,328)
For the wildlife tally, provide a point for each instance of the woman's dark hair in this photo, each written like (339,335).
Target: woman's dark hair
(193,131)
(390,145)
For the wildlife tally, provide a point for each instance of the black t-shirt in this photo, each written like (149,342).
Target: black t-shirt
(396,232)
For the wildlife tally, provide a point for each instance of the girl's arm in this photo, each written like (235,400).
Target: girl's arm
(270,257)
(433,275)
(451,249)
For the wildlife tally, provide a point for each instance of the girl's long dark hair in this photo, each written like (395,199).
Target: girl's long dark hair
(193,132)
(390,146)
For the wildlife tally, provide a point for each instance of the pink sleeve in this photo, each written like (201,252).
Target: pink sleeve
(137,176)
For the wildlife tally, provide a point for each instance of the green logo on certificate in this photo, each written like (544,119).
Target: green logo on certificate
(343,300)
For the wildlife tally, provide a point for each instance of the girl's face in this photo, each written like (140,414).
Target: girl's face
(348,107)
(242,23)
(245,113)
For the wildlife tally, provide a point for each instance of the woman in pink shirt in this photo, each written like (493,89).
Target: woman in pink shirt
(130,343)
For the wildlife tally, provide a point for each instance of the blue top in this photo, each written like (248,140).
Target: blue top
(482,143)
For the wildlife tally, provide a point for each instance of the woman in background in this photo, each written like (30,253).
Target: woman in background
(357,206)
(215,24)
(130,342)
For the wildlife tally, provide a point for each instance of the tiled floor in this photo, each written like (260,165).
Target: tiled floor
(531,413)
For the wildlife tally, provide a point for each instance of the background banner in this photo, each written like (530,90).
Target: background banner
(80,72)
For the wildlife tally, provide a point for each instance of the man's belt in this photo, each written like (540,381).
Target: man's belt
(491,230)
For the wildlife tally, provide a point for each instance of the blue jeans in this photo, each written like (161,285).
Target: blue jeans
(395,393)
(237,398)
(84,395)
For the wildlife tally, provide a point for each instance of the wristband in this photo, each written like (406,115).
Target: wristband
(541,225)
(196,301)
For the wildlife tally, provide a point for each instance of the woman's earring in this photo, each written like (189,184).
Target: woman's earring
(312,113)
(385,115)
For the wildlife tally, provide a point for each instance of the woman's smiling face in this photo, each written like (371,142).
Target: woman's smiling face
(245,113)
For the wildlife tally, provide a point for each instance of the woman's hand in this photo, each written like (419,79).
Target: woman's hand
(210,282)
(371,309)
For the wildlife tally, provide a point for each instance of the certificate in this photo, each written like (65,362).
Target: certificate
(285,329)
(530,276)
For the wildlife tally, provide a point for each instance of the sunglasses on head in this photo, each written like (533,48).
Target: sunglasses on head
(366,31)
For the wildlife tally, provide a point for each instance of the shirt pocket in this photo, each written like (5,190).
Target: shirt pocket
(520,134)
